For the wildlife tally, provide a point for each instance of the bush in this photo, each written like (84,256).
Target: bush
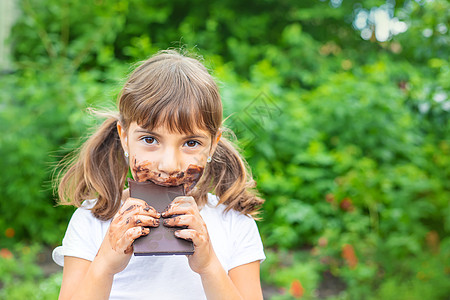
(22,278)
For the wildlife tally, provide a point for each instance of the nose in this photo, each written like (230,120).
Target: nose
(169,162)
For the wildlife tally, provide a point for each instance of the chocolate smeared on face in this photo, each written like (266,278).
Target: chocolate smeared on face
(189,178)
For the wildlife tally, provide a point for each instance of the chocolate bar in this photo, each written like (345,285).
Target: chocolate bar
(161,240)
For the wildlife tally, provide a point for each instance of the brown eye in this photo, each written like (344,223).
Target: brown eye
(192,144)
(149,140)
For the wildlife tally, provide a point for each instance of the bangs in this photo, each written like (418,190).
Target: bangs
(177,113)
(178,94)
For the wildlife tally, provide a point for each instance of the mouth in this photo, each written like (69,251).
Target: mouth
(187,178)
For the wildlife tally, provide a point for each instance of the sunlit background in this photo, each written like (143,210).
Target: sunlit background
(341,109)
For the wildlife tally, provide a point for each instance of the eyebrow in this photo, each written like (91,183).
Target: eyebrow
(194,136)
(147,132)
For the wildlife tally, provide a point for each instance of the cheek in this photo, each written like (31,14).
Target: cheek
(141,168)
(138,154)
(198,159)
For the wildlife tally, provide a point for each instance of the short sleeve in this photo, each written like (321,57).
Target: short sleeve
(247,244)
(82,239)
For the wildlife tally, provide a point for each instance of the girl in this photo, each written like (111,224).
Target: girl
(169,119)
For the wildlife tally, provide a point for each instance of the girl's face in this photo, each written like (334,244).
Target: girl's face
(166,157)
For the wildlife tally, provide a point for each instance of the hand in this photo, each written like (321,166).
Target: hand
(184,212)
(126,226)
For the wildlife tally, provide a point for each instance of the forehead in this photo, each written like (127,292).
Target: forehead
(165,131)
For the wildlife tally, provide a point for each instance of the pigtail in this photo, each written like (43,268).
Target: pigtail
(98,171)
(230,178)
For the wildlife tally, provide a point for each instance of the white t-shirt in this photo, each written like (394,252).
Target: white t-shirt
(234,236)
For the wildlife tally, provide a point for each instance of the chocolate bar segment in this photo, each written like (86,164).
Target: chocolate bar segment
(161,240)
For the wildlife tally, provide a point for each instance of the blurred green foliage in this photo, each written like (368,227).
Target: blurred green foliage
(22,278)
(348,139)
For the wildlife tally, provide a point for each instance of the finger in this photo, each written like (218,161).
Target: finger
(192,236)
(131,217)
(194,222)
(181,205)
(186,221)
(140,220)
(144,207)
(125,243)
(146,221)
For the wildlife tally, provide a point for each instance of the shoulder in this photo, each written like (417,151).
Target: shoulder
(233,221)
(88,204)
(83,219)
(235,236)
(83,235)
(84,215)
(220,211)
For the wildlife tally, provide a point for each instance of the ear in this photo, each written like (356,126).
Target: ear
(123,136)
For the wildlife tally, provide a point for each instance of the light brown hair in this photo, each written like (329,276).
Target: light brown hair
(167,89)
